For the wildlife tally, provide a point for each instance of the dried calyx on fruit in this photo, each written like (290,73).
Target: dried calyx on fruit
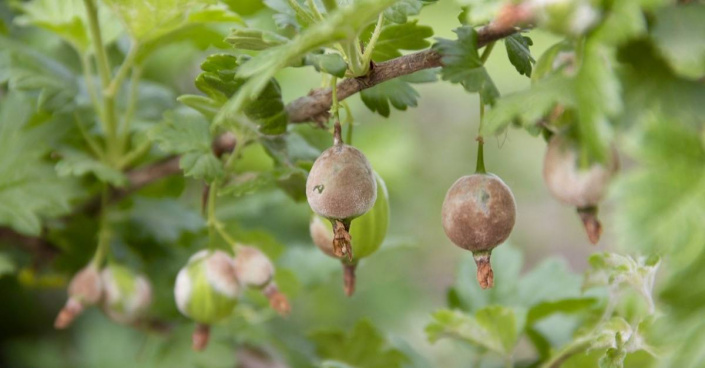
(254,269)
(340,187)
(582,186)
(127,295)
(367,235)
(85,289)
(478,214)
(206,290)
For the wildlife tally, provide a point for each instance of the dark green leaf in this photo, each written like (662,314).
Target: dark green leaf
(462,64)
(396,92)
(182,133)
(165,219)
(201,165)
(519,54)
(78,163)
(218,80)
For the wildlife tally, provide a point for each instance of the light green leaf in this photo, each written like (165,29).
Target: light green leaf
(494,328)
(519,54)
(205,105)
(29,187)
(400,11)
(661,204)
(528,107)
(396,92)
(68,19)
(363,347)
(342,24)
(624,21)
(254,39)
(397,37)
(333,64)
(678,35)
(462,64)
(78,163)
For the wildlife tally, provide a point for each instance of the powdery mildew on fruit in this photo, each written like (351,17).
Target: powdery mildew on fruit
(568,182)
(478,212)
(220,273)
(252,267)
(341,184)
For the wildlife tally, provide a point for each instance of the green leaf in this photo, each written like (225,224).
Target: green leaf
(660,204)
(182,133)
(494,328)
(462,64)
(29,188)
(363,347)
(68,20)
(188,135)
(624,21)
(333,64)
(78,163)
(55,85)
(528,107)
(342,24)
(402,9)
(397,37)
(519,54)
(165,219)
(396,92)
(7,265)
(201,165)
(678,35)
(254,39)
(219,81)
(205,105)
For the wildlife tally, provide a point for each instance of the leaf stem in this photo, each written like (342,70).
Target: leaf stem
(88,77)
(131,106)
(314,9)
(355,63)
(487,51)
(349,120)
(104,231)
(367,55)
(335,106)
(109,117)
(480,166)
(92,143)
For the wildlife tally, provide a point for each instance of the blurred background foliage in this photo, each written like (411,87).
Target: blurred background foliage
(553,302)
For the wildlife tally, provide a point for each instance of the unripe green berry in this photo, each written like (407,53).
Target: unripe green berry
(206,288)
(127,295)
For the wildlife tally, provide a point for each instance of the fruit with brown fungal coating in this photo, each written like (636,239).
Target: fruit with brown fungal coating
(583,188)
(340,187)
(478,214)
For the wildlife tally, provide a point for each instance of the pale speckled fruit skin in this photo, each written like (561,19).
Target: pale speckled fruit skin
(253,268)
(341,184)
(570,184)
(86,286)
(478,212)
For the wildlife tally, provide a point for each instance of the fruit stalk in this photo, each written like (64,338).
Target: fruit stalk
(591,222)
(349,278)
